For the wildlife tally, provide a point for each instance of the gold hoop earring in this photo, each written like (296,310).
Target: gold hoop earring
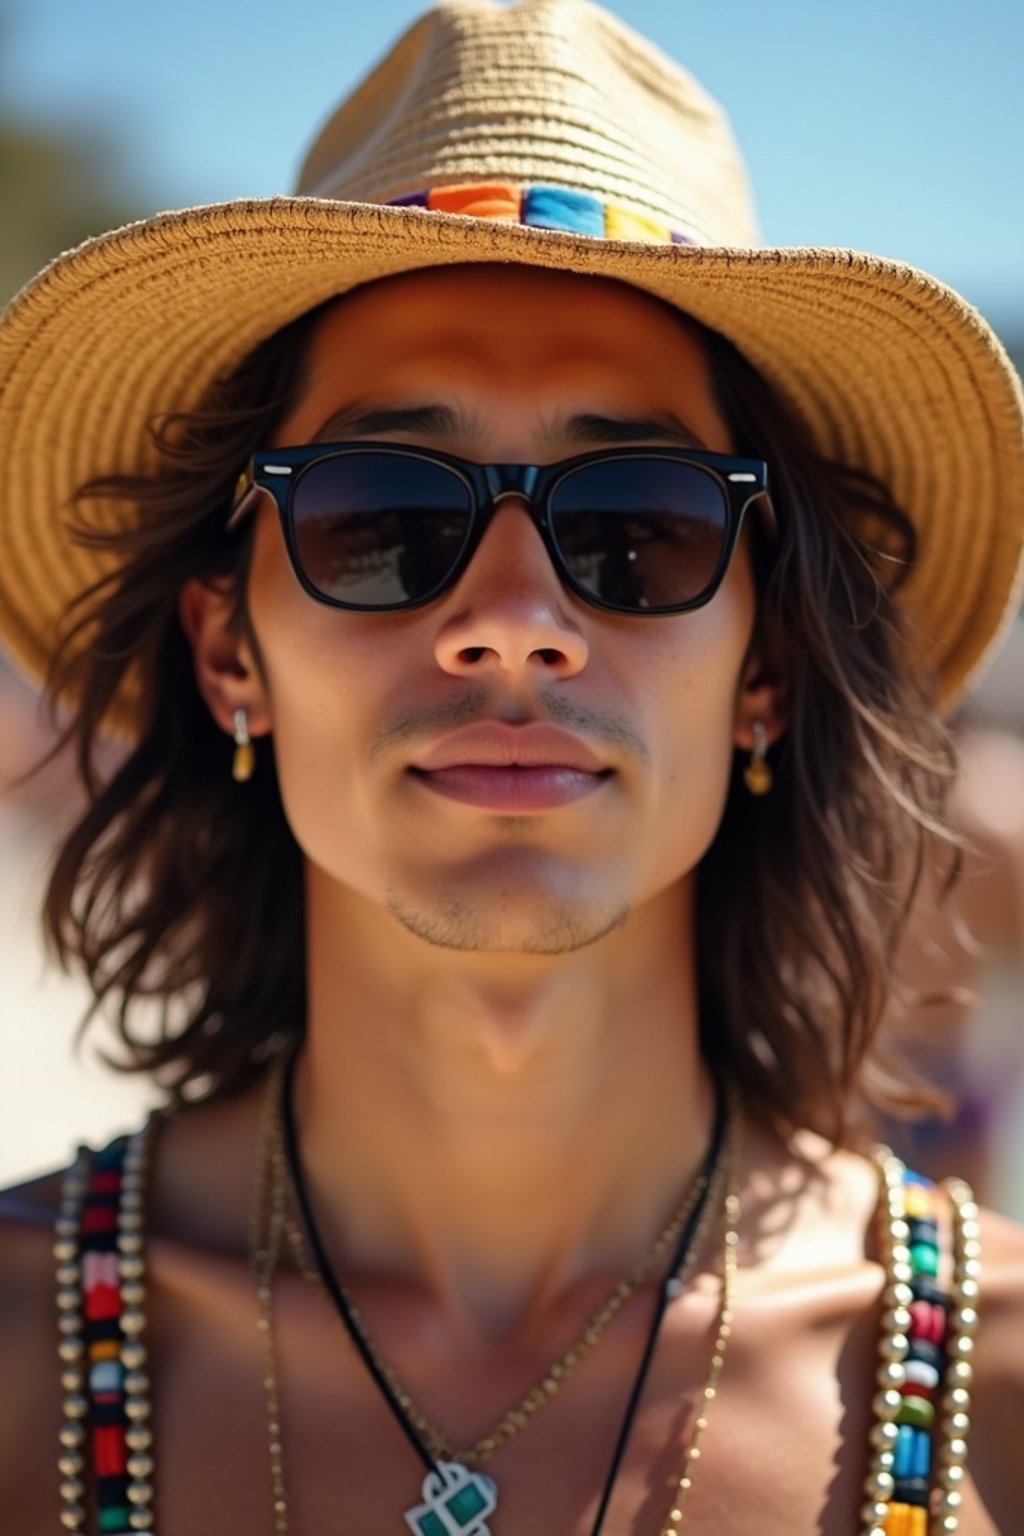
(244,762)
(757,776)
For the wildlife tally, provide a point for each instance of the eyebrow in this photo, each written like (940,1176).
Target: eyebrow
(558,431)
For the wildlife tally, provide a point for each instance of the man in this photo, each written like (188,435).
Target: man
(561,993)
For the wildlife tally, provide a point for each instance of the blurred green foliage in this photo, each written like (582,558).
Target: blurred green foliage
(59,183)
(55,191)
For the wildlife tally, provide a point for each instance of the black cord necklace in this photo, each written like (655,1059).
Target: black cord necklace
(469,1497)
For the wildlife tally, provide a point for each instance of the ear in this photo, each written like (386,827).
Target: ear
(763,693)
(227,672)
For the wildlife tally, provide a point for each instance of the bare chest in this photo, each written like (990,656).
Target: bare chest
(785,1450)
(785,1447)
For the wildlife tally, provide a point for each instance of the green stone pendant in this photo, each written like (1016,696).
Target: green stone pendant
(456,1503)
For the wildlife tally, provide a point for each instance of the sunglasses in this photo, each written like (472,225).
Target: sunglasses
(379,527)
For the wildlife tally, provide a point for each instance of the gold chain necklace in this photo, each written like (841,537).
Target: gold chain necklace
(723,1325)
(538,1396)
(270,1225)
(274,1179)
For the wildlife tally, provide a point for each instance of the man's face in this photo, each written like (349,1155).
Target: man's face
(357,700)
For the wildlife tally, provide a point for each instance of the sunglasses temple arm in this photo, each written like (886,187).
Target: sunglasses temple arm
(763,504)
(243,506)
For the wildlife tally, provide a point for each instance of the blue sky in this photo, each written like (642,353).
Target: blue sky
(891,127)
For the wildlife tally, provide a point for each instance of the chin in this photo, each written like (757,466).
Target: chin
(531,925)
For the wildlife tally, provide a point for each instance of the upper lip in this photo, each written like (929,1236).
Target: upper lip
(494,744)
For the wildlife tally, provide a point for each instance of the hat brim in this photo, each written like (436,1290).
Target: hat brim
(890,370)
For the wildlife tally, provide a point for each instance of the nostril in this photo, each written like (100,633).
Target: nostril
(550,656)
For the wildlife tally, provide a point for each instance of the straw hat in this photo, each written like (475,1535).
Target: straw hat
(550,134)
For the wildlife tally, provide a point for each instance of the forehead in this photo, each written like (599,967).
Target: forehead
(504,330)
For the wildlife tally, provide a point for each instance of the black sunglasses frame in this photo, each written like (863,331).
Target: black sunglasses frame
(278,471)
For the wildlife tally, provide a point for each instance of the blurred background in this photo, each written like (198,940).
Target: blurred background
(893,126)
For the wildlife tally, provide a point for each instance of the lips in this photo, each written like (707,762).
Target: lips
(511,768)
(493,744)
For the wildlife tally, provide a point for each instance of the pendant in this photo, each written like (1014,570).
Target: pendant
(456,1503)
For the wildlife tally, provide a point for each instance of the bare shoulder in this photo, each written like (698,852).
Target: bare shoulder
(27,1283)
(27,1215)
(30,1379)
(998,1355)
(997,1371)
(32,1204)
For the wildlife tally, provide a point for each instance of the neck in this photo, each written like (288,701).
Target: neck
(496,1130)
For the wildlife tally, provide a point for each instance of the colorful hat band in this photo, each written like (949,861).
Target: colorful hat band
(577,213)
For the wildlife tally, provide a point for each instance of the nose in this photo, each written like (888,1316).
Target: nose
(508,612)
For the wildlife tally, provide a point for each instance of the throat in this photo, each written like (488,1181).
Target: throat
(503,1227)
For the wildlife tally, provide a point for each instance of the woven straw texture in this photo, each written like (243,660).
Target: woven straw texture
(890,370)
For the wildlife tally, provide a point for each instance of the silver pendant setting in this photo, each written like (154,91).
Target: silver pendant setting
(455,1503)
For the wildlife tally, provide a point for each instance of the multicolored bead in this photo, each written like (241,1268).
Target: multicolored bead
(924,1352)
(101,1208)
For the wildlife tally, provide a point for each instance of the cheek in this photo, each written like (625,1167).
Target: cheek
(696,677)
(326,674)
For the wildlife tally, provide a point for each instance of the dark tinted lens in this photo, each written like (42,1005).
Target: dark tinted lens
(376,529)
(641,533)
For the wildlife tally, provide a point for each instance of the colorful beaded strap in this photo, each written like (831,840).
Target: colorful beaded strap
(922,1410)
(919,1440)
(100,1278)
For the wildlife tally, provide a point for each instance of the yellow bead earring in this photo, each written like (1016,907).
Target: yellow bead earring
(757,775)
(245,753)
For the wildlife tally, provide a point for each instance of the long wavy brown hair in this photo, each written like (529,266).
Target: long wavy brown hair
(190,930)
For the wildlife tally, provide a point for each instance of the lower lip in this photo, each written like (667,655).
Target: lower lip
(511,789)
